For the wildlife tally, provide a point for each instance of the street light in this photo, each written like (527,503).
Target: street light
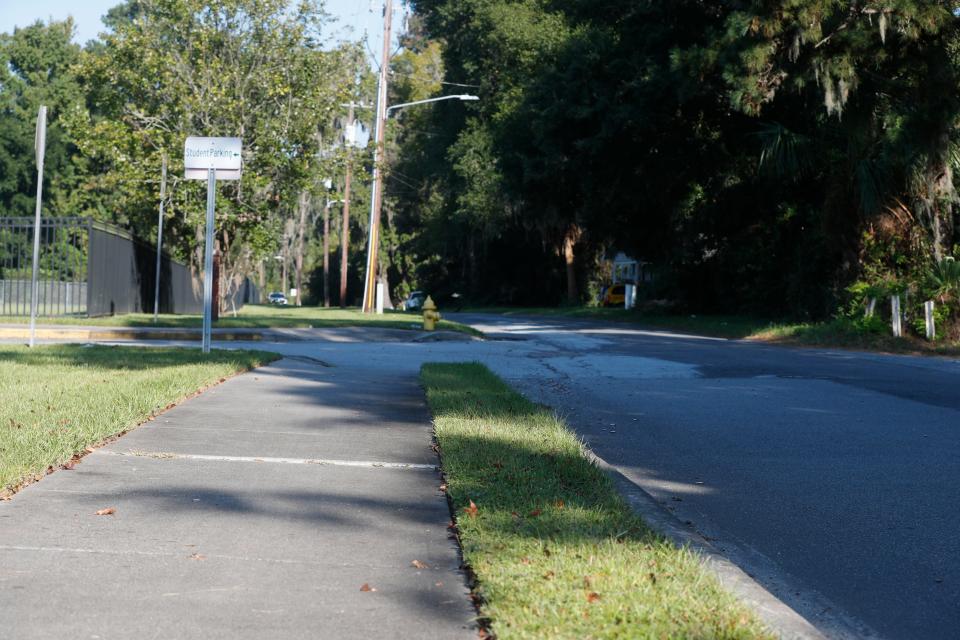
(376,199)
(464,98)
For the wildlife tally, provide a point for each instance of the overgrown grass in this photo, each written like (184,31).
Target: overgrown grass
(555,551)
(57,400)
(260,317)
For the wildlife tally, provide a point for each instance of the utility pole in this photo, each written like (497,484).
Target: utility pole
(345,229)
(376,199)
(326,254)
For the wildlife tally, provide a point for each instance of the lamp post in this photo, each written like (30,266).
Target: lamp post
(376,199)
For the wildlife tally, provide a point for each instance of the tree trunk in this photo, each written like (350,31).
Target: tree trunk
(304,203)
(569,240)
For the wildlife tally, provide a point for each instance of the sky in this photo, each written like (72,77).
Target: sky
(354,17)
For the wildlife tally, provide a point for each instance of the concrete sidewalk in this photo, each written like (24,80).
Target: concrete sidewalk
(261,508)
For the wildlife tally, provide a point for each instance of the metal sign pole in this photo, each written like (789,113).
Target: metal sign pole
(40,142)
(208,260)
(163,194)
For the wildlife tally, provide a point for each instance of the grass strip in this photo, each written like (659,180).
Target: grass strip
(555,551)
(260,317)
(57,400)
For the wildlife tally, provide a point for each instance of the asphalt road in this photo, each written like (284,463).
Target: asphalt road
(832,477)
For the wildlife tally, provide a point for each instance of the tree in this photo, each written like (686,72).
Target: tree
(36,69)
(249,68)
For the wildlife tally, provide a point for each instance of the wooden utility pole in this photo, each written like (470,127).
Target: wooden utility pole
(301,241)
(326,254)
(376,204)
(345,229)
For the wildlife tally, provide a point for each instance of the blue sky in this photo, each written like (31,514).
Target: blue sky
(354,17)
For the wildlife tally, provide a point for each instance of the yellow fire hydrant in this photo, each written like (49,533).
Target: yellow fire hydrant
(430,315)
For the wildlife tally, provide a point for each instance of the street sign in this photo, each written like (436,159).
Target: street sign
(39,145)
(40,136)
(223,155)
(211,159)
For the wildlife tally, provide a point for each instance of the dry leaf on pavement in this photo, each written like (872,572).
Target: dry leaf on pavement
(367,587)
(109,511)
(420,565)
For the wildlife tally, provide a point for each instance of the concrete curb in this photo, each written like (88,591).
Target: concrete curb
(88,334)
(125,333)
(775,614)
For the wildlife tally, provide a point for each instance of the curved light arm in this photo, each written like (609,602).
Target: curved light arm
(464,97)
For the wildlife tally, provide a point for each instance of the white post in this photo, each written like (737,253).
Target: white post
(208,260)
(40,142)
(163,193)
(630,296)
(896,320)
(931,325)
(380,298)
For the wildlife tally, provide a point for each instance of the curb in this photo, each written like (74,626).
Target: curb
(124,333)
(786,623)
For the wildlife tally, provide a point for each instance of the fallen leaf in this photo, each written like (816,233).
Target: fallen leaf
(443,487)
(471,510)
(420,565)
(548,575)
(69,465)
(559,504)
(198,556)
(593,596)
(535,513)
(109,511)
(367,587)
(438,584)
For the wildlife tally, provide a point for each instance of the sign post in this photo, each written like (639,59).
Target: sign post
(163,195)
(40,143)
(211,159)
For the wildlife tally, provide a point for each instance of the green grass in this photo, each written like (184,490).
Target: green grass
(555,551)
(57,400)
(260,317)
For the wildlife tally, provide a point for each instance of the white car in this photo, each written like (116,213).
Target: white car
(278,298)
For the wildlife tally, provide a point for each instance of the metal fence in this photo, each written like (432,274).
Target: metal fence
(88,268)
(62,279)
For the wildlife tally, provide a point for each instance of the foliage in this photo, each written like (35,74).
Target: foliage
(763,155)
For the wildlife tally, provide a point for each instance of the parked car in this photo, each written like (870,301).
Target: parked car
(278,298)
(614,296)
(414,301)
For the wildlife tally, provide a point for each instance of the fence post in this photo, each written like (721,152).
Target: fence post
(895,320)
(931,324)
